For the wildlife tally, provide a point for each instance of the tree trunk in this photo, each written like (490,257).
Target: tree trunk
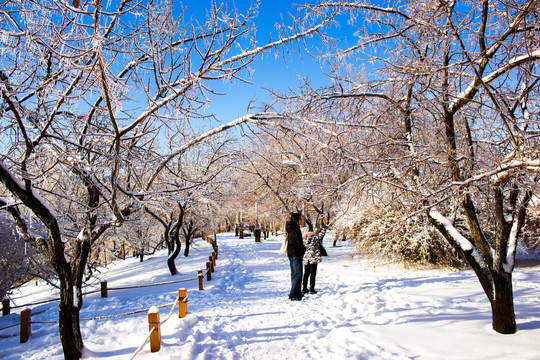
(174,255)
(68,322)
(188,230)
(175,242)
(186,250)
(502,306)
(497,284)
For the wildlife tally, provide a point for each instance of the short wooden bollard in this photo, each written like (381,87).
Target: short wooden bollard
(6,309)
(216,251)
(182,303)
(214,257)
(200,276)
(211,258)
(208,271)
(104,291)
(26,327)
(153,323)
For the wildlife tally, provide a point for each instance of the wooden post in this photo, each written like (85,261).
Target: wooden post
(153,323)
(104,291)
(208,271)
(200,276)
(211,263)
(6,309)
(25,325)
(217,251)
(214,256)
(182,303)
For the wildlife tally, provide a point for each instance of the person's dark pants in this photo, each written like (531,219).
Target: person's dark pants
(296,277)
(310,272)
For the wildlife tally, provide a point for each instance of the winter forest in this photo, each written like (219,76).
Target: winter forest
(418,136)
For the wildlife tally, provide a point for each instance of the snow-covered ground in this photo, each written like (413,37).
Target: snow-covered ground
(361,311)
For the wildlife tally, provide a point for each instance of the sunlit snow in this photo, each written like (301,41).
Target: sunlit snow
(361,311)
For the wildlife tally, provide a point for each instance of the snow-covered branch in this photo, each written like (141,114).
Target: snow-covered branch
(500,171)
(459,239)
(250,118)
(466,95)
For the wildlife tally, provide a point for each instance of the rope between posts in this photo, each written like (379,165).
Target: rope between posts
(101,317)
(172,309)
(114,316)
(140,347)
(37,303)
(10,326)
(92,292)
(148,285)
(126,314)
(112,288)
(50,300)
(185,300)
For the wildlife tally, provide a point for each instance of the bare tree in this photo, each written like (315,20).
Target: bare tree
(169,224)
(172,225)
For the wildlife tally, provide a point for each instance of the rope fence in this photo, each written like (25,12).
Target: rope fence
(170,313)
(25,323)
(154,324)
(10,326)
(149,285)
(6,304)
(6,307)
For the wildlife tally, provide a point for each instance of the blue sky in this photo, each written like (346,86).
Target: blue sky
(269,71)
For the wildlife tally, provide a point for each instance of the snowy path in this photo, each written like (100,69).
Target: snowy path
(250,317)
(357,314)
(360,312)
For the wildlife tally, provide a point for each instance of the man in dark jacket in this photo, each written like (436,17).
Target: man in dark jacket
(295,252)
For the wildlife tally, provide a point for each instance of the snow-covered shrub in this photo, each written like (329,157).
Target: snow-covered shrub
(530,239)
(385,232)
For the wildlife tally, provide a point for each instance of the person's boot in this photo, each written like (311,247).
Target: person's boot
(304,285)
(312,291)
